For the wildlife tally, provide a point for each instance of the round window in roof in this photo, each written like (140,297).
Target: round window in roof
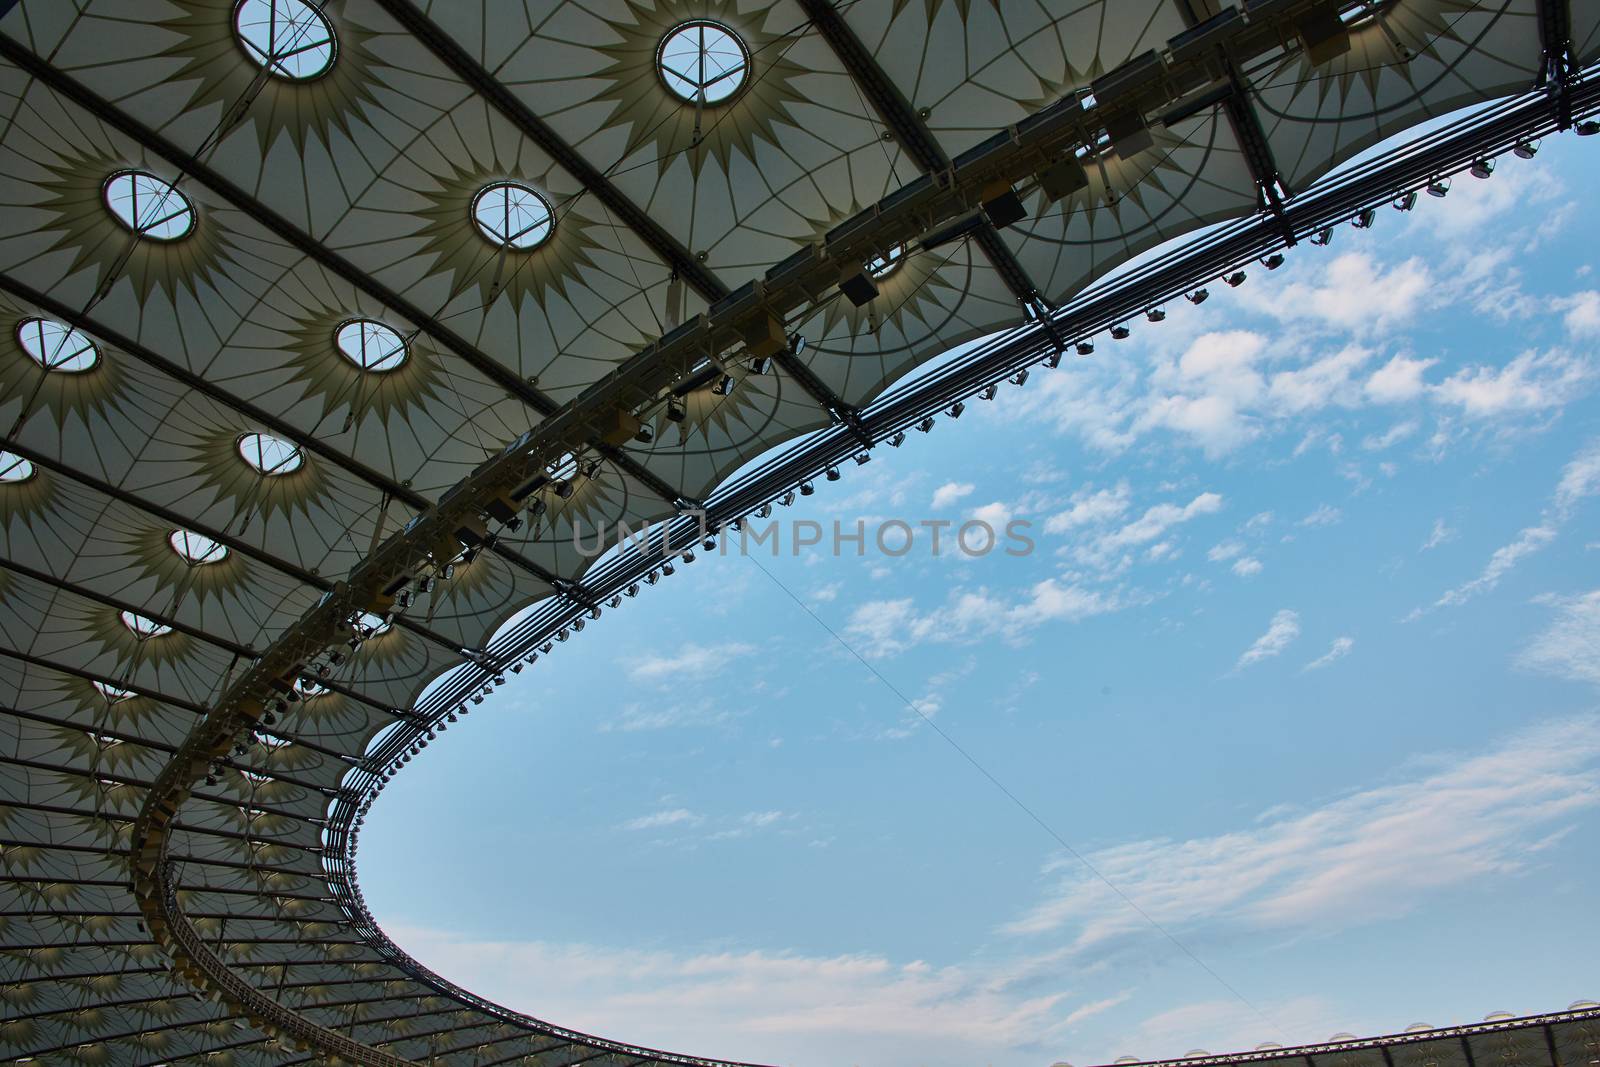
(512,215)
(370,345)
(291,38)
(371,625)
(13,468)
(143,626)
(57,346)
(112,693)
(703,62)
(270,455)
(149,206)
(196,549)
(886,264)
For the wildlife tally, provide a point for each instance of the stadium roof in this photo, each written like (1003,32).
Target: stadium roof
(324,325)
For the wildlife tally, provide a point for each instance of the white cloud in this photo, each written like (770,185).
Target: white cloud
(1324,515)
(1580,479)
(773,1006)
(1570,647)
(1149,527)
(660,820)
(1356,294)
(1221,553)
(1529,541)
(1582,316)
(700,661)
(1390,437)
(1281,632)
(1398,380)
(1247,567)
(1438,536)
(880,628)
(1329,380)
(995,514)
(1467,819)
(1341,648)
(1090,507)
(950,492)
(1532,381)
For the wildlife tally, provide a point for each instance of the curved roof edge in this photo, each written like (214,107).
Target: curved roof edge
(1579,1025)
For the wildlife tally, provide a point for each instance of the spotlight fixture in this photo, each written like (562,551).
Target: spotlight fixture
(989,392)
(652,578)
(675,410)
(709,544)
(1323,237)
(787,498)
(1274,261)
(1406,202)
(863,458)
(1365,220)
(764,510)
(1198,296)
(832,474)
(897,440)
(926,424)
(956,409)
(760,364)
(1155,315)
(1085,348)
(1053,360)
(1439,188)
(1526,150)
(1119,332)
(1587,129)
(1235,279)
(725,385)
(1481,168)
(667,569)
(806,489)
(688,555)
(1020,378)
(564,489)
(646,433)
(632,590)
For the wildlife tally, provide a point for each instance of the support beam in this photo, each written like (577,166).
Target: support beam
(909,130)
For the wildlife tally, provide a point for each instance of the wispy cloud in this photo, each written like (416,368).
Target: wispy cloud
(1570,647)
(950,492)
(691,660)
(1340,649)
(1580,479)
(661,820)
(1465,819)
(1440,534)
(1281,632)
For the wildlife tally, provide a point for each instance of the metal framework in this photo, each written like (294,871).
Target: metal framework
(544,390)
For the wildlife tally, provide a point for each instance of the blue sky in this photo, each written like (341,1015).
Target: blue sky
(1303,663)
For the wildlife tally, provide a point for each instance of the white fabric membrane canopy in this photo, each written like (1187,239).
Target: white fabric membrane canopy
(275,276)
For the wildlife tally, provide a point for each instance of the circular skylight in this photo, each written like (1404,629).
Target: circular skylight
(112,693)
(703,62)
(886,264)
(57,346)
(371,625)
(512,215)
(13,468)
(144,627)
(196,549)
(270,455)
(149,206)
(291,38)
(370,345)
